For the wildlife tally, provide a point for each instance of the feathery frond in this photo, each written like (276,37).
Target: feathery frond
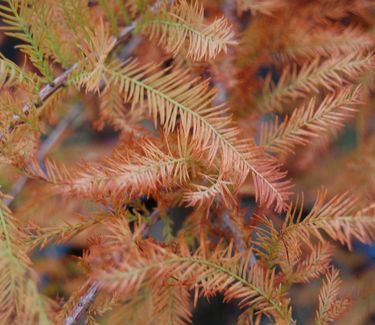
(51,35)
(136,310)
(169,146)
(181,29)
(20,300)
(95,50)
(11,74)
(109,10)
(323,42)
(41,236)
(119,232)
(331,307)
(172,305)
(200,195)
(309,121)
(172,96)
(337,217)
(247,318)
(133,174)
(220,272)
(335,72)
(313,265)
(17,14)
(299,260)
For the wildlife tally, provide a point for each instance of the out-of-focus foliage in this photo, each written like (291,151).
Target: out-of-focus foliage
(253,118)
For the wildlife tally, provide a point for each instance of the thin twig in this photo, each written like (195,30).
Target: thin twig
(58,131)
(222,97)
(44,149)
(83,304)
(89,296)
(236,234)
(48,90)
(86,300)
(154,218)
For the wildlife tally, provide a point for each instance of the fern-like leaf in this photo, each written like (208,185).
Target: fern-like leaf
(17,14)
(337,217)
(307,43)
(95,51)
(174,95)
(41,236)
(20,301)
(11,74)
(331,307)
(338,71)
(172,305)
(133,174)
(310,121)
(181,29)
(220,272)
(217,188)
(313,265)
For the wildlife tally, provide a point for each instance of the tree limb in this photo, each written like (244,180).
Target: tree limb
(44,149)
(236,234)
(83,304)
(48,90)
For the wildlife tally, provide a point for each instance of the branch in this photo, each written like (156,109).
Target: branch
(89,296)
(48,90)
(44,149)
(59,81)
(236,234)
(154,218)
(82,305)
